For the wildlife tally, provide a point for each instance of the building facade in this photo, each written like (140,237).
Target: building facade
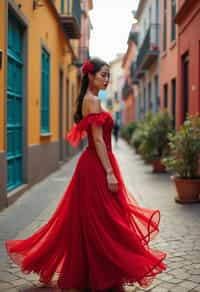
(146,67)
(86,26)
(39,53)
(168,57)
(128,94)
(113,100)
(188,76)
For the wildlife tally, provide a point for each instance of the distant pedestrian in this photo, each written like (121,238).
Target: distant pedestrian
(116,130)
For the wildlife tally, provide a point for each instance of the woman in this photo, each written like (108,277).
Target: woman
(98,236)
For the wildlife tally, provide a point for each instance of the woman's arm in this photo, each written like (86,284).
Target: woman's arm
(97,133)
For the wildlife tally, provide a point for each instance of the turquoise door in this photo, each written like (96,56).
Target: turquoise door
(14,103)
(45,90)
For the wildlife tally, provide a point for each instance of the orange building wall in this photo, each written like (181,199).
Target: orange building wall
(168,59)
(73,94)
(43,30)
(129,103)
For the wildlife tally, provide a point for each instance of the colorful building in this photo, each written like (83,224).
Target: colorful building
(114,89)
(39,50)
(128,89)
(188,75)
(86,26)
(146,69)
(168,57)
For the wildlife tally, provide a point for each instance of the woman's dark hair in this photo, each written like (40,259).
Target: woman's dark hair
(97,65)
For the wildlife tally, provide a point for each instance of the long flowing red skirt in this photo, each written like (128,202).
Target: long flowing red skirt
(95,238)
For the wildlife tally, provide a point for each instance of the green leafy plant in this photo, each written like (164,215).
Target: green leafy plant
(185,149)
(127,131)
(139,134)
(155,138)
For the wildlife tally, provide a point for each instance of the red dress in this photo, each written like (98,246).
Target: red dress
(95,238)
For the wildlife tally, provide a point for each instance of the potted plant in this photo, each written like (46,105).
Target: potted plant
(138,135)
(137,139)
(128,130)
(155,143)
(184,160)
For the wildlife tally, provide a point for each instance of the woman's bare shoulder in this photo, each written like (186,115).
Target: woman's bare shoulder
(91,104)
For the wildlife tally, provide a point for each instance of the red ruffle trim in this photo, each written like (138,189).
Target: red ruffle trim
(78,131)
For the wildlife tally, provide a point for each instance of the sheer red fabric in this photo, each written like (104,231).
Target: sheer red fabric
(95,238)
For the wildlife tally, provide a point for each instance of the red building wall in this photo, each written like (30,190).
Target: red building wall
(168,57)
(188,20)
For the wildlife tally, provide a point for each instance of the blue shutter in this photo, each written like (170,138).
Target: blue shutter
(14,153)
(45,91)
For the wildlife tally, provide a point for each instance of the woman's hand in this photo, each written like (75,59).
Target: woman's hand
(112,182)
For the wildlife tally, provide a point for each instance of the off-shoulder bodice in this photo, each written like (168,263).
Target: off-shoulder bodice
(79,131)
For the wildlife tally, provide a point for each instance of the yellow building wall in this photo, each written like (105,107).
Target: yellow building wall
(2,73)
(74,91)
(43,30)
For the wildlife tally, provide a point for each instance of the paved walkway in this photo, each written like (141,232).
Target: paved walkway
(180,224)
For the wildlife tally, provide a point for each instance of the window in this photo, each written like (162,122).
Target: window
(165,26)
(149,96)
(165,95)
(150,15)
(68,8)
(173,86)
(45,91)
(173,25)
(157,21)
(157,11)
(62,6)
(156,86)
(185,84)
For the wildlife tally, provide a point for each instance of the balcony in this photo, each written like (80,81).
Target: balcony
(149,51)
(71,19)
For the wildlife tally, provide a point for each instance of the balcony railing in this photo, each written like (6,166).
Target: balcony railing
(71,18)
(149,51)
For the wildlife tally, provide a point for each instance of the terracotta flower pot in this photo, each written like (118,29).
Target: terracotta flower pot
(188,190)
(158,166)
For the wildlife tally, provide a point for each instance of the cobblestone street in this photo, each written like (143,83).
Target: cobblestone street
(179,229)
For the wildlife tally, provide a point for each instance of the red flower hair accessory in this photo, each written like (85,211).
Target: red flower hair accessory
(88,67)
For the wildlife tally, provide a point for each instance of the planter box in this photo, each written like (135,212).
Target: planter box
(188,190)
